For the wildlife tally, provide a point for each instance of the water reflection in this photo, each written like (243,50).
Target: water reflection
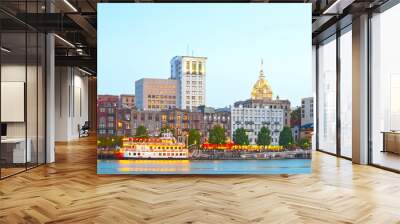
(288,166)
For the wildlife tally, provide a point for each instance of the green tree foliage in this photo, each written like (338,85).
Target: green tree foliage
(264,137)
(194,137)
(295,117)
(118,141)
(217,135)
(240,137)
(109,142)
(102,142)
(304,143)
(285,137)
(141,132)
(166,129)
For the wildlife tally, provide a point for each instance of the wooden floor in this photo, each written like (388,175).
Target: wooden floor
(387,159)
(70,191)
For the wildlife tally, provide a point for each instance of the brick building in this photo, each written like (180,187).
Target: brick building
(181,121)
(212,117)
(149,119)
(124,121)
(106,114)
(127,101)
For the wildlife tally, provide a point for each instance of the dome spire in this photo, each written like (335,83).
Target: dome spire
(261,89)
(261,70)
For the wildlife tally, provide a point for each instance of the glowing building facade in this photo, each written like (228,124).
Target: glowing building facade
(190,73)
(261,110)
(262,97)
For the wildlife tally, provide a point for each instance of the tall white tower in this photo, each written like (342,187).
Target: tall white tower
(190,72)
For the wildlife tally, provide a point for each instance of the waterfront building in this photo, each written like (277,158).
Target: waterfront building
(254,118)
(307,118)
(261,110)
(190,73)
(296,133)
(127,101)
(155,94)
(106,114)
(295,122)
(307,111)
(147,118)
(262,96)
(212,117)
(123,121)
(181,121)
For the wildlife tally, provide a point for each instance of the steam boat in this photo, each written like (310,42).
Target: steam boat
(164,147)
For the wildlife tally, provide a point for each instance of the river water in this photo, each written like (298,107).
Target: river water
(284,166)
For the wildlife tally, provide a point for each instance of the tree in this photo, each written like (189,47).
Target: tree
(106,142)
(194,137)
(264,137)
(217,135)
(118,141)
(166,129)
(295,117)
(240,137)
(285,137)
(304,143)
(141,132)
(103,142)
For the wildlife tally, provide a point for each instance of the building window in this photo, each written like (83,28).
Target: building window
(346,94)
(200,68)
(194,69)
(327,96)
(385,87)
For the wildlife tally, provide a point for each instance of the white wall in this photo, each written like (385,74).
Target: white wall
(71,103)
(13,73)
(33,126)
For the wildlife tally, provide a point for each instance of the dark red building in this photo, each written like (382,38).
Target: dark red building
(106,114)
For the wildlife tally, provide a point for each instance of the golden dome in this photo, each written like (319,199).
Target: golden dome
(261,89)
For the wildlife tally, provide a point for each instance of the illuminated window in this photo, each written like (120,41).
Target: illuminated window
(200,68)
(194,67)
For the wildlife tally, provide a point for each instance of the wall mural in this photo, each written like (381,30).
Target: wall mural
(204,89)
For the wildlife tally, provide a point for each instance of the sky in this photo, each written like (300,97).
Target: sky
(138,41)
